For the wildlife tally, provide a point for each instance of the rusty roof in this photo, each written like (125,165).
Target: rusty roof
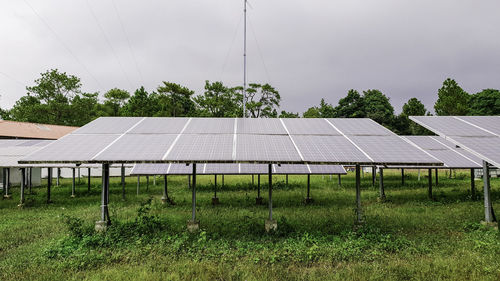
(13,129)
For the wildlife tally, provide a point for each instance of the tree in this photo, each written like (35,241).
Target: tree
(403,124)
(139,104)
(173,100)
(312,112)
(324,110)
(486,102)
(85,108)
(378,107)
(286,114)
(262,100)
(218,101)
(115,99)
(50,100)
(452,100)
(351,106)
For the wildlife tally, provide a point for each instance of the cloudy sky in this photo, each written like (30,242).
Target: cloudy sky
(306,49)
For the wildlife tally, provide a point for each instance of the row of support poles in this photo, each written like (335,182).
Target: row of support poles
(123,181)
(258,200)
(489,214)
(105,219)
(73,186)
(193,225)
(271,224)
(23,183)
(215,200)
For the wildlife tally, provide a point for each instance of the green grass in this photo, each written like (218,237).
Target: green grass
(406,237)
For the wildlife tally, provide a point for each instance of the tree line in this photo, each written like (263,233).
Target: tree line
(57,98)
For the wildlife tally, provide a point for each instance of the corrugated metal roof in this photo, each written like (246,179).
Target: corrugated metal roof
(13,129)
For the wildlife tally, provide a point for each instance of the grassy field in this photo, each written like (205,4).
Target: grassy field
(406,237)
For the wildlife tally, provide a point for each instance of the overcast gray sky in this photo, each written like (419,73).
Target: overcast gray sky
(308,49)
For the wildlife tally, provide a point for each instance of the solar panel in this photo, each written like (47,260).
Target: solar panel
(490,123)
(327,169)
(309,126)
(390,149)
(360,127)
(490,147)
(326,149)
(254,168)
(108,125)
(260,126)
(290,169)
(458,149)
(132,146)
(449,125)
(150,169)
(210,126)
(202,148)
(160,125)
(180,169)
(221,168)
(266,148)
(426,142)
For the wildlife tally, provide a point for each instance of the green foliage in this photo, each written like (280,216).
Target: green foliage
(219,101)
(262,100)
(486,102)
(378,107)
(325,110)
(452,99)
(286,114)
(140,104)
(115,99)
(173,100)
(402,123)
(352,106)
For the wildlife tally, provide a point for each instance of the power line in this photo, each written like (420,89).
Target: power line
(12,78)
(260,52)
(109,43)
(230,47)
(62,43)
(128,41)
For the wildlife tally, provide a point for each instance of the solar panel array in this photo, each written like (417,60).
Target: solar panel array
(235,169)
(231,140)
(11,151)
(480,135)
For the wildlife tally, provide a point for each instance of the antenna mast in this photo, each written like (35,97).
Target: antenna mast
(244,57)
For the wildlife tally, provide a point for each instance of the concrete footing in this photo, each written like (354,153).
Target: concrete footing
(20,206)
(193,226)
(494,225)
(308,200)
(7,197)
(271,225)
(215,201)
(259,201)
(73,196)
(381,199)
(101,226)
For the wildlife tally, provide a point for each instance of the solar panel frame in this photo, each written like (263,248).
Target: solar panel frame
(309,126)
(260,126)
(108,125)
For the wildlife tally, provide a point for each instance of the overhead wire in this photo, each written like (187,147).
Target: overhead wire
(68,49)
(259,50)
(230,47)
(108,42)
(12,78)
(128,41)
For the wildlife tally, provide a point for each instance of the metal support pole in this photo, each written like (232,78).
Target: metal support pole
(49,184)
(165,190)
(189,181)
(449,176)
(138,184)
(252,180)
(123,181)
(270,174)
(23,182)
(286,179)
(402,176)
(88,181)
(193,198)
(30,185)
(488,208)
(7,183)
(73,186)
(430,184)
(105,195)
(154,180)
(215,186)
(436,175)
(4,181)
(58,171)
(381,184)
(359,212)
(340,181)
(374,174)
(258,186)
(308,198)
(79,178)
(222,181)
(472,184)
(147,183)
